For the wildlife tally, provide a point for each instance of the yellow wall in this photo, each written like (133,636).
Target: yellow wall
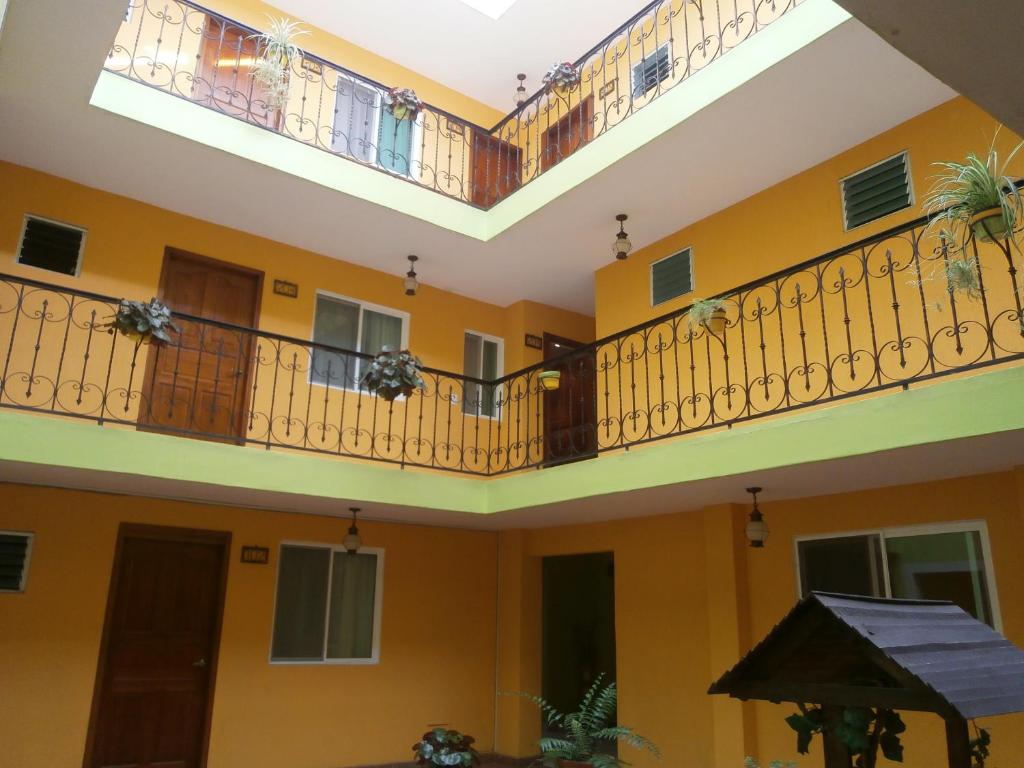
(680,624)
(795,220)
(432,669)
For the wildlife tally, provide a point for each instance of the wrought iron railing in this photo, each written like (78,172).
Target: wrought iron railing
(200,55)
(878,314)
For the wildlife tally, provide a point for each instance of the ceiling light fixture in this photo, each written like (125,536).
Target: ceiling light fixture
(411,283)
(622,245)
(756,529)
(352,542)
(520,95)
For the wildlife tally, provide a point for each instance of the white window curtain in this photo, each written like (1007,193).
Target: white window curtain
(481,361)
(355,121)
(353,590)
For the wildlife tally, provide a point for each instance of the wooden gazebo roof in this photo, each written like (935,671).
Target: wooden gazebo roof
(872,652)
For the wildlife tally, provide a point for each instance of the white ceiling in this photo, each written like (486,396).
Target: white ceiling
(458,46)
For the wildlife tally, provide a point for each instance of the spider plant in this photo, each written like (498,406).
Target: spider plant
(962,277)
(707,313)
(586,728)
(978,194)
(277,49)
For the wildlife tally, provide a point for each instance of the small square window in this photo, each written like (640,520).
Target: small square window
(672,277)
(15,550)
(52,246)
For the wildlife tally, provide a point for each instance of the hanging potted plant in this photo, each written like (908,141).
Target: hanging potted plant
(709,314)
(143,321)
(393,373)
(276,50)
(585,729)
(977,194)
(562,77)
(442,746)
(404,104)
(549,380)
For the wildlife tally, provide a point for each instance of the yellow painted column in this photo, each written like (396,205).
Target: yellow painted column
(733,722)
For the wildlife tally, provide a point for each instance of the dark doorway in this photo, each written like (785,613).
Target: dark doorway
(578,626)
(198,384)
(568,134)
(570,412)
(224,78)
(154,686)
(495,169)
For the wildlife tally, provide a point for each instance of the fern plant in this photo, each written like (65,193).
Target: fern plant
(586,728)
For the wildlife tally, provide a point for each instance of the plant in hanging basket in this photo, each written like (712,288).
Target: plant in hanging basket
(563,76)
(549,380)
(709,314)
(404,104)
(276,49)
(441,746)
(391,374)
(977,195)
(143,321)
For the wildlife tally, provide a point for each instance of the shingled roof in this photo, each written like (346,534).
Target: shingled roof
(900,654)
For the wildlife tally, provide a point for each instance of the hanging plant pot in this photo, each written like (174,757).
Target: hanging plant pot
(550,381)
(717,322)
(391,374)
(404,104)
(143,322)
(990,224)
(562,77)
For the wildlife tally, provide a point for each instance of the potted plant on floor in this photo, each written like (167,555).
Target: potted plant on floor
(391,374)
(977,194)
(586,729)
(143,321)
(441,746)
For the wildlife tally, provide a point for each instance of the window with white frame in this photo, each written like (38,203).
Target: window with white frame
(482,360)
(328,604)
(352,325)
(365,130)
(940,562)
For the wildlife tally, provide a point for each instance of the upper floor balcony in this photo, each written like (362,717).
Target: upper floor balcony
(891,311)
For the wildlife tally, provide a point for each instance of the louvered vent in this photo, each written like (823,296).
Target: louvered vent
(877,191)
(13,560)
(48,245)
(671,277)
(651,71)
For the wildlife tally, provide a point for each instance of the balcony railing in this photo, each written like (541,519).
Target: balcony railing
(878,314)
(202,56)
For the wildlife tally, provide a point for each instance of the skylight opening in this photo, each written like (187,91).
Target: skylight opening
(492,8)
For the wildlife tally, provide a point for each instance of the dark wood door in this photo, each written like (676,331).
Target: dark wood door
(568,134)
(155,681)
(570,412)
(197,385)
(496,169)
(224,78)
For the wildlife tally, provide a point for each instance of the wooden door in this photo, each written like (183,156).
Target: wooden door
(224,78)
(496,169)
(570,412)
(155,680)
(568,134)
(197,385)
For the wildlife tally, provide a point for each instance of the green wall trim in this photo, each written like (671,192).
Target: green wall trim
(983,403)
(784,37)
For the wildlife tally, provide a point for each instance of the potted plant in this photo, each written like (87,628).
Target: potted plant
(585,729)
(441,746)
(562,76)
(707,313)
(549,380)
(404,104)
(276,51)
(143,321)
(393,373)
(977,194)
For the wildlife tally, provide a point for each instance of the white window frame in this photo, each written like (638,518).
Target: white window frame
(962,526)
(650,276)
(415,136)
(28,561)
(498,389)
(55,222)
(910,189)
(363,305)
(378,605)
(667,45)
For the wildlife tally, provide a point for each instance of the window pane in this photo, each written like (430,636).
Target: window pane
(940,566)
(301,603)
(489,370)
(356,107)
(379,331)
(471,363)
(353,589)
(336,324)
(395,144)
(850,565)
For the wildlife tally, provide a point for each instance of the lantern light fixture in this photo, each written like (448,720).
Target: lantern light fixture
(622,245)
(756,528)
(411,283)
(352,541)
(520,94)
